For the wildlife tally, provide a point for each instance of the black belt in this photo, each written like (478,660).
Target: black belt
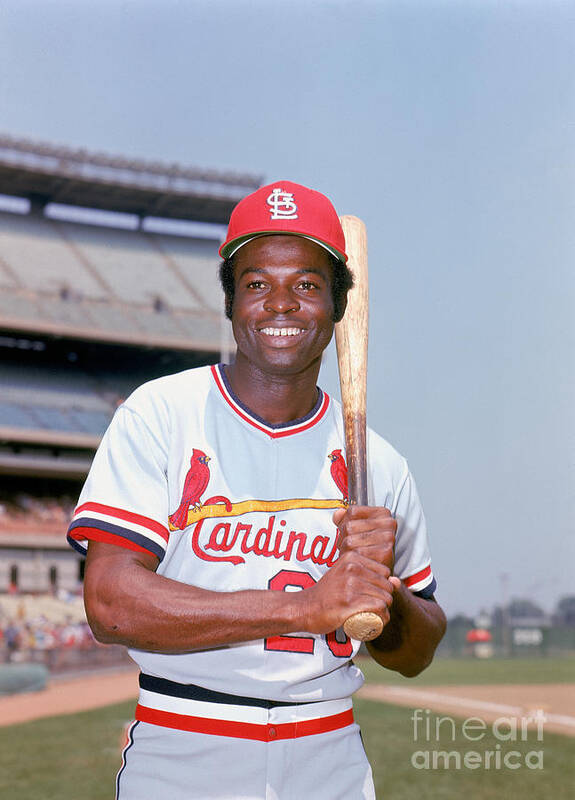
(191,692)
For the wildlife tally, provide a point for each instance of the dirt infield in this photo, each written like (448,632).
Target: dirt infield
(68,696)
(491,702)
(556,701)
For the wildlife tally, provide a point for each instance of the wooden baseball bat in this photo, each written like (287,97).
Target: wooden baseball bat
(351,343)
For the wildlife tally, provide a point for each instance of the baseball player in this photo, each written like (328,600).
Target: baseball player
(221,549)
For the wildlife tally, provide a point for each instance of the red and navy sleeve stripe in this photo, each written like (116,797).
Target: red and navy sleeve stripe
(98,522)
(422,583)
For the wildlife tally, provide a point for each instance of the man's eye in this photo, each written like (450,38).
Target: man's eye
(307,285)
(255,285)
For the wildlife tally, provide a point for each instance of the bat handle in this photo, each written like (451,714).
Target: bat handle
(364,626)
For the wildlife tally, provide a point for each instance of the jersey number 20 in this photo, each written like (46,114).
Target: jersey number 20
(303,644)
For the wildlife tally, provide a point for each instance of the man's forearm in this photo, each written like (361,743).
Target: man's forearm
(129,604)
(409,640)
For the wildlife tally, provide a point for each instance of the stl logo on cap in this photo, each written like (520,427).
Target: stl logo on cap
(282,205)
(285,207)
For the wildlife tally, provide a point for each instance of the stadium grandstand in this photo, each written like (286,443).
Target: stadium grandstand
(108,278)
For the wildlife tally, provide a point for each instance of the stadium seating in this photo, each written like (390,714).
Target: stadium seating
(37,417)
(70,609)
(15,303)
(90,309)
(129,265)
(74,311)
(203,328)
(37,257)
(55,400)
(105,316)
(198,265)
(115,282)
(15,416)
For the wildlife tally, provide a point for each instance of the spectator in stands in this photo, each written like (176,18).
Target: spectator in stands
(12,640)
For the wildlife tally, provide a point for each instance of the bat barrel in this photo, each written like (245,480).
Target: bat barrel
(351,342)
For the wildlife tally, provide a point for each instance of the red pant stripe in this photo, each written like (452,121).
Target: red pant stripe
(244,730)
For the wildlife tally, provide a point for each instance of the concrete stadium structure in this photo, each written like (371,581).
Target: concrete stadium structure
(108,278)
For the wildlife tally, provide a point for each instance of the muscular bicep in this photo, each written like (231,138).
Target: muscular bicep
(102,556)
(129,603)
(433,612)
(109,569)
(434,608)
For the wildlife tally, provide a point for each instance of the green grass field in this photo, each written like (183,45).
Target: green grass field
(76,757)
(389,742)
(72,757)
(458,671)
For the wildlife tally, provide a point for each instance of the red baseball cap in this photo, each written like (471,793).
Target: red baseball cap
(285,207)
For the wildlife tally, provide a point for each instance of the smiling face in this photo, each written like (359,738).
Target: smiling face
(282,314)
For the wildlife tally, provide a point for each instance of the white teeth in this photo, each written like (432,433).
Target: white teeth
(281,331)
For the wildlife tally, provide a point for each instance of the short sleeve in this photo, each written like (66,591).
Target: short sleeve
(412,558)
(124,500)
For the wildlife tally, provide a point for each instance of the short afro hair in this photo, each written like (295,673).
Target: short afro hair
(341,283)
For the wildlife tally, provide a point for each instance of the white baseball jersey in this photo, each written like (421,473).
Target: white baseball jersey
(228,502)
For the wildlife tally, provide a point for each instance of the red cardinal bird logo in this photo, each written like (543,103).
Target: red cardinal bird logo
(338,471)
(197,479)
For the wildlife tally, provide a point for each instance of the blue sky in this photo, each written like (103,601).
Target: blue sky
(449,128)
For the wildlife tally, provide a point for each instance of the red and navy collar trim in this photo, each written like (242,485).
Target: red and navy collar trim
(273,431)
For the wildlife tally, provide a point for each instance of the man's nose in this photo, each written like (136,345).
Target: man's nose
(281,300)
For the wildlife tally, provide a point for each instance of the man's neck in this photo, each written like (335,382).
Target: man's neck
(274,398)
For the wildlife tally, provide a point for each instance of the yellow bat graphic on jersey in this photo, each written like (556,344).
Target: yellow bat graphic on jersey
(222,507)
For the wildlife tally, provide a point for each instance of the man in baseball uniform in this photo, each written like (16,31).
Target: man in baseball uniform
(222,551)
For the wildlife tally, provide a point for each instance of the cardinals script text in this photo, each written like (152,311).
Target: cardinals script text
(269,541)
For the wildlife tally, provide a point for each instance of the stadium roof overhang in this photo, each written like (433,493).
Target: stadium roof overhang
(65,468)
(46,173)
(19,326)
(46,453)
